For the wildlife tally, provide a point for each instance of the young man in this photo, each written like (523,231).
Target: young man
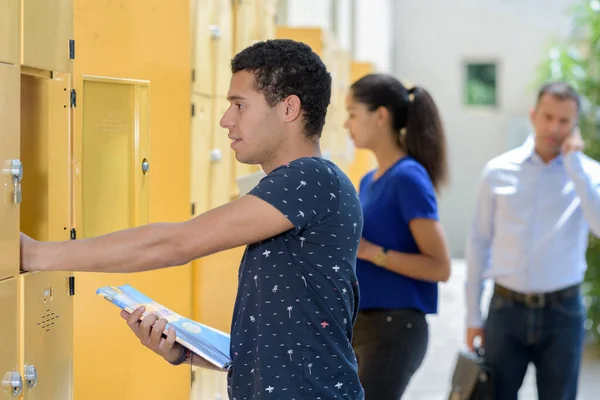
(298,295)
(535,208)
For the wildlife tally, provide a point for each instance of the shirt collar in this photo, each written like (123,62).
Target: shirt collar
(526,153)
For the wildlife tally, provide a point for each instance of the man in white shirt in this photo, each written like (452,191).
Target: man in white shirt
(535,208)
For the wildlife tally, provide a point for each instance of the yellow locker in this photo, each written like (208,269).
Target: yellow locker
(12,380)
(202,36)
(113,152)
(47,336)
(134,39)
(9,31)
(222,46)
(12,171)
(47,28)
(311,36)
(201,152)
(220,156)
(47,311)
(45,154)
(245,24)
(266,19)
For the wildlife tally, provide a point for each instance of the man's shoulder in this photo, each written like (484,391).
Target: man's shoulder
(507,162)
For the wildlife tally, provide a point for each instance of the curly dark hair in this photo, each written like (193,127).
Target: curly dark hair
(284,67)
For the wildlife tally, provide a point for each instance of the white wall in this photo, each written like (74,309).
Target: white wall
(433,39)
(373,30)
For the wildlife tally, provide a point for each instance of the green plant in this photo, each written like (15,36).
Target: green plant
(576,60)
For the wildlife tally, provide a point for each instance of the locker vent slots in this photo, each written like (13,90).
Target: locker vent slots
(47,322)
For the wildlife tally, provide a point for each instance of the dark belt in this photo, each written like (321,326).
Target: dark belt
(536,300)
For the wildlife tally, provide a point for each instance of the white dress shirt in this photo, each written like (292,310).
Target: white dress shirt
(531,224)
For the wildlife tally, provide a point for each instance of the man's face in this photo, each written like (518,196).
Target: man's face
(553,120)
(254,128)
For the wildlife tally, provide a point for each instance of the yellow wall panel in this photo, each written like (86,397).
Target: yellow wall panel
(9,150)
(144,40)
(9,31)
(47,27)
(9,331)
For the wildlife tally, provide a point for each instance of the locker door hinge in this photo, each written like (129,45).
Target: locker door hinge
(71,49)
(73,98)
(71,286)
(193,208)
(193,109)
(193,75)
(73,234)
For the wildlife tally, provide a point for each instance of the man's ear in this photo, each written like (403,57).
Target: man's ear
(291,108)
(531,114)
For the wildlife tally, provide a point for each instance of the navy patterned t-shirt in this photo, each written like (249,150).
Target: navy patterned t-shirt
(298,295)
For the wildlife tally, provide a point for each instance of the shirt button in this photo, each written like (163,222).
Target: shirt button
(388,319)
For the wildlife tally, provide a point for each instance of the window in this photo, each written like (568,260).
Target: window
(481,83)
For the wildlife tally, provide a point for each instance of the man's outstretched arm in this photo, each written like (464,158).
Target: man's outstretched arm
(160,245)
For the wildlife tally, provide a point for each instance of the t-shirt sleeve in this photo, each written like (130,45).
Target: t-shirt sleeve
(416,195)
(306,191)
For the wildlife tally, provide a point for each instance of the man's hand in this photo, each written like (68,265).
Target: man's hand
(27,251)
(473,333)
(367,251)
(150,333)
(573,143)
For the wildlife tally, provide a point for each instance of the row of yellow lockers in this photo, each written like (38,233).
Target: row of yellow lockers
(88,157)
(73,163)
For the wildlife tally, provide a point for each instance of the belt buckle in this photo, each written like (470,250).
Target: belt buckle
(535,300)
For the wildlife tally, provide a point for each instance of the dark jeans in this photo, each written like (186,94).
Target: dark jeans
(549,336)
(390,346)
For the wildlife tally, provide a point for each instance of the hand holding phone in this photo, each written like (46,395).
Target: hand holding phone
(574,142)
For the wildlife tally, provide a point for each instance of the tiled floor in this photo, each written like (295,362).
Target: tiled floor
(447,338)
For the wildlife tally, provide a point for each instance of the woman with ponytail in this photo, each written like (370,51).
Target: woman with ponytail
(403,252)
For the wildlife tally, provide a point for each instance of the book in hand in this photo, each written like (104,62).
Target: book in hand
(208,343)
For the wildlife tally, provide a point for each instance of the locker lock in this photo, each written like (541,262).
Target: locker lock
(31,376)
(215,31)
(216,155)
(13,382)
(145,166)
(16,173)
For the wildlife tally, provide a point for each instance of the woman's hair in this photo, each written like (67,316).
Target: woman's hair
(415,119)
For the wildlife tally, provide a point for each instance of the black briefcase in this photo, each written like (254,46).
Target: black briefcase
(472,379)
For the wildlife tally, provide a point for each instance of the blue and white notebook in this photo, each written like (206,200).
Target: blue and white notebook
(209,343)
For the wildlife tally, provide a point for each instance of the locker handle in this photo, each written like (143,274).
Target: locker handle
(16,174)
(216,155)
(215,31)
(13,382)
(31,376)
(145,166)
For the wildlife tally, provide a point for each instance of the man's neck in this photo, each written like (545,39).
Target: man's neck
(291,153)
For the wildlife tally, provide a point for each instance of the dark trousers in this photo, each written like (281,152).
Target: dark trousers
(390,346)
(548,335)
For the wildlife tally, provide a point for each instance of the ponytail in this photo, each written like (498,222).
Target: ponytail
(415,118)
(424,138)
